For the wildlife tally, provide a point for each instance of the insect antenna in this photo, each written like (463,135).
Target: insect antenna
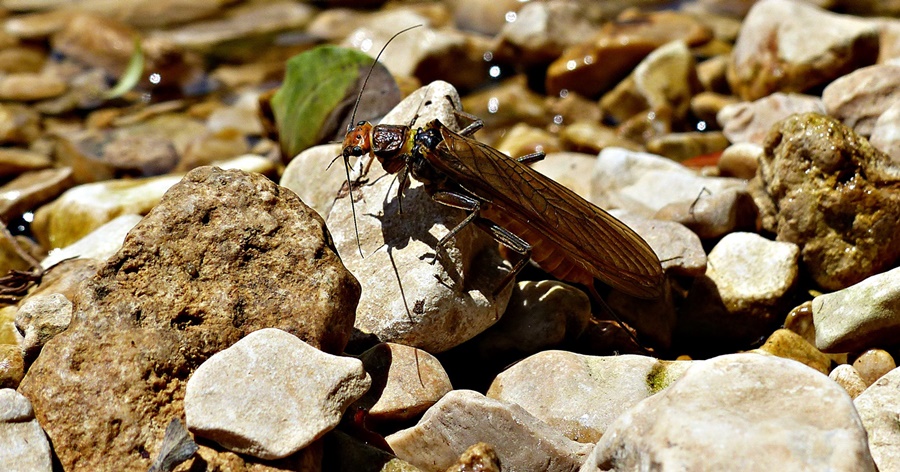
(350,127)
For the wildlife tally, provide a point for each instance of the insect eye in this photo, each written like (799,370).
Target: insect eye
(357,151)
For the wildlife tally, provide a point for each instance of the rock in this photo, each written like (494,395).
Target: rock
(837,201)
(705,106)
(591,138)
(509,103)
(790,345)
(746,290)
(793,46)
(800,321)
(428,53)
(860,97)
(522,140)
(878,409)
(541,31)
(750,122)
(405,382)
(484,17)
(846,376)
(540,315)
(644,183)
(889,49)
(97,41)
(16,161)
(208,148)
(22,59)
(406,298)
(464,417)
(664,82)
(683,146)
(713,216)
(873,364)
(740,160)
(480,457)
(92,205)
(66,277)
(18,124)
(99,244)
(40,318)
(737,412)
(587,392)
(712,75)
(309,176)
(38,25)
(245,23)
(31,189)
(569,169)
(223,254)
(12,366)
(271,394)
(678,248)
(886,133)
(25,446)
(596,65)
(28,87)
(85,208)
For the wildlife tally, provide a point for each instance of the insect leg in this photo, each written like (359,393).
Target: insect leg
(475,125)
(463,202)
(510,240)
(533,157)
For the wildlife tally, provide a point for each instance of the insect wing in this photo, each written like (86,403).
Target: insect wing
(603,245)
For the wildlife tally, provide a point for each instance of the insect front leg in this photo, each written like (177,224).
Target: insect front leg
(475,125)
(455,200)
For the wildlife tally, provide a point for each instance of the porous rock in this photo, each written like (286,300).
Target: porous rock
(739,412)
(823,187)
(223,254)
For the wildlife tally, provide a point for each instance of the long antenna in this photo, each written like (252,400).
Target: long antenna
(350,127)
(366,81)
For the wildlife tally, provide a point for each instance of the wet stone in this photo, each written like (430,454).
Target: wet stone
(15,161)
(683,426)
(223,254)
(596,65)
(588,392)
(682,146)
(591,137)
(569,169)
(679,249)
(793,46)
(542,30)
(480,457)
(873,364)
(860,97)
(18,124)
(271,394)
(823,187)
(464,417)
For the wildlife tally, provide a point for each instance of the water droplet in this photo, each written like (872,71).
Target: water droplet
(571,65)
(493,105)
(510,16)
(494,71)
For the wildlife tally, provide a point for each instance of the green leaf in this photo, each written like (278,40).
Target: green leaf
(318,93)
(132,74)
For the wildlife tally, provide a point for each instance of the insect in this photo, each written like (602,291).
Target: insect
(520,208)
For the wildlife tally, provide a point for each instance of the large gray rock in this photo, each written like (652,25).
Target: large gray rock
(25,447)
(879,408)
